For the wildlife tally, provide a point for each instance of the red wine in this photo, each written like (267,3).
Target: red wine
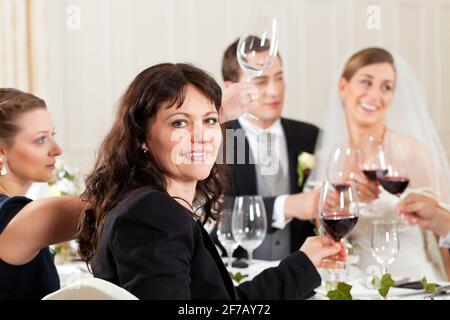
(338,226)
(394,185)
(342,186)
(374,175)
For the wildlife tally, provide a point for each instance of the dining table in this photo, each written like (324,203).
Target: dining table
(72,271)
(362,288)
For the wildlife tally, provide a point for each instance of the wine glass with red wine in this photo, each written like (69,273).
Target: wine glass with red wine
(396,180)
(338,208)
(373,162)
(373,165)
(338,214)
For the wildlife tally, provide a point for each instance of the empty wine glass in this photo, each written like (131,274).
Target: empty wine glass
(224,229)
(257,48)
(249,223)
(384,242)
(338,214)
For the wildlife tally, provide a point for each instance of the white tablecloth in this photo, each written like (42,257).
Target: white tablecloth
(356,278)
(73,271)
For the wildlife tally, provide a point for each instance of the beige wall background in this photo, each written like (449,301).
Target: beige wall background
(96,47)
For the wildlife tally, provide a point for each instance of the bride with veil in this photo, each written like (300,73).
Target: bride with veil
(379,96)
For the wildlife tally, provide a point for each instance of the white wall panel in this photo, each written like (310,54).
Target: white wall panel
(91,67)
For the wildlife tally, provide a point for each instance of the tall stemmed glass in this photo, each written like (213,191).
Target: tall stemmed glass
(396,179)
(249,223)
(384,242)
(338,208)
(338,214)
(224,229)
(257,48)
(373,162)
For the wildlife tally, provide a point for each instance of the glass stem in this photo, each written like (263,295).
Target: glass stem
(230,258)
(250,257)
(249,115)
(384,270)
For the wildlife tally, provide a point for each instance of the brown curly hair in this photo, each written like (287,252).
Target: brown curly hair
(123,166)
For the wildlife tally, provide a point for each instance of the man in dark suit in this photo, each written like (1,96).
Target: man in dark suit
(263,160)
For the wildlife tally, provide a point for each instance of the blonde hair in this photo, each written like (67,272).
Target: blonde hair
(13,103)
(364,58)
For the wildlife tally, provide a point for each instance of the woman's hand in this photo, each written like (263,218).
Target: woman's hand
(367,190)
(320,247)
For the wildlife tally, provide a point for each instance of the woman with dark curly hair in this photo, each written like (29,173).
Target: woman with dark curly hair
(140,231)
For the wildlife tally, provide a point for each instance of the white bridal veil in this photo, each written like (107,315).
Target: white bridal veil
(407,115)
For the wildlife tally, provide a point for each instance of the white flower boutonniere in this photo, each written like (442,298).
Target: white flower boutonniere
(305,162)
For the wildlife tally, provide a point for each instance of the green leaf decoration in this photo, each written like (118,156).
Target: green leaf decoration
(341,293)
(383,291)
(385,284)
(428,287)
(386,281)
(238,276)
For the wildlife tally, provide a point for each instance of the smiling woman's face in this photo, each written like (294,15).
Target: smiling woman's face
(31,156)
(185,141)
(368,94)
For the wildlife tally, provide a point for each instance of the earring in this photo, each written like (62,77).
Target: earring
(3,171)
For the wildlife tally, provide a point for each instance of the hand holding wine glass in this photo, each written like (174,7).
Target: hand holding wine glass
(373,165)
(338,213)
(321,247)
(257,49)
(237,99)
(249,223)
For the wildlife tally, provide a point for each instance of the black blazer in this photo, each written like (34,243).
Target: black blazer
(300,137)
(151,246)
